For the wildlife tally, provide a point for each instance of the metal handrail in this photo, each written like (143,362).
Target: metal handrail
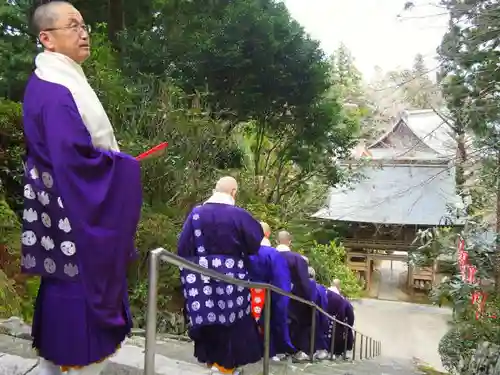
(161,254)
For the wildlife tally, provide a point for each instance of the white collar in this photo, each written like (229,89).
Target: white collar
(265,242)
(281,247)
(334,289)
(60,69)
(221,198)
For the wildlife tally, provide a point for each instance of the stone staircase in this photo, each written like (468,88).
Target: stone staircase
(406,330)
(175,357)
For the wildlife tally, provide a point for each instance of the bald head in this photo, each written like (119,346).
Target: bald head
(266,228)
(226,185)
(46,15)
(284,238)
(62,29)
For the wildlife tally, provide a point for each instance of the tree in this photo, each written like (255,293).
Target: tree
(469,57)
(420,91)
(17,48)
(238,51)
(348,88)
(469,80)
(345,77)
(406,89)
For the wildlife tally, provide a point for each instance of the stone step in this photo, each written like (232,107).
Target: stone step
(18,358)
(176,357)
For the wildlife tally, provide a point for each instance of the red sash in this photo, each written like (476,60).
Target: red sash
(258,296)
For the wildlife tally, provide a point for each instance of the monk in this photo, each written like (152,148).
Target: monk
(322,322)
(335,286)
(82,202)
(349,313)
(342,309)
(259,295)
(220,236)
(299,315)
(268,266)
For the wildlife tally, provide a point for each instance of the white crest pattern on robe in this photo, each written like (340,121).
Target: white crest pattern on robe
(51,232)
(211,301)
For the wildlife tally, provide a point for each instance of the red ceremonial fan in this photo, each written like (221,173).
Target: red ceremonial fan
(152,151)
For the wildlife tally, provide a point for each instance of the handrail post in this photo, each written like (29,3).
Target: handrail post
(332,341)
(346,338)
(354,334)
(267,331)
(361,348)
(312,343)
(149,356)
(366,348)
(371,351)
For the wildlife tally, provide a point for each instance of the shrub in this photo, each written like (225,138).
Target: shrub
(329,264)
(11,149)
(10,302)
(17,292)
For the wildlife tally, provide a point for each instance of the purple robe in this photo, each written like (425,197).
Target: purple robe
(338,306)
(299,314)
(268,266)
(220,237)
(349,314)
(322,322)
(81,210)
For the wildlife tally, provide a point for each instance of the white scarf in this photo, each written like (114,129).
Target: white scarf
(57,68)
(221,198)
(265,242)
(281,247)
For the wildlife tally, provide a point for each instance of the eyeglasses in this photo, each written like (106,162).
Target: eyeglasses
(74,28)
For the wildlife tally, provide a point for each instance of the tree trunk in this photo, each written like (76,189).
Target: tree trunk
(461,159)
(116,22)
(497,255)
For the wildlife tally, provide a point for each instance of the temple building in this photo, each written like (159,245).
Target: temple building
(407,183)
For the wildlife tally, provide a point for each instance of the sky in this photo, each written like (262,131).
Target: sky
(372,31)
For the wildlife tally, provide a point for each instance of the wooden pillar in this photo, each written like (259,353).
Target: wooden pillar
(369,272)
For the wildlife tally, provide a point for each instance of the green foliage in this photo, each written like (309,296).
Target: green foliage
(470,77)
(458,345)
(17,294)
(10,302)
(329,263)
(11,150)
(17,48)
(105,76)
(466,330)
(10,229)
(239,51)
(469,54)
